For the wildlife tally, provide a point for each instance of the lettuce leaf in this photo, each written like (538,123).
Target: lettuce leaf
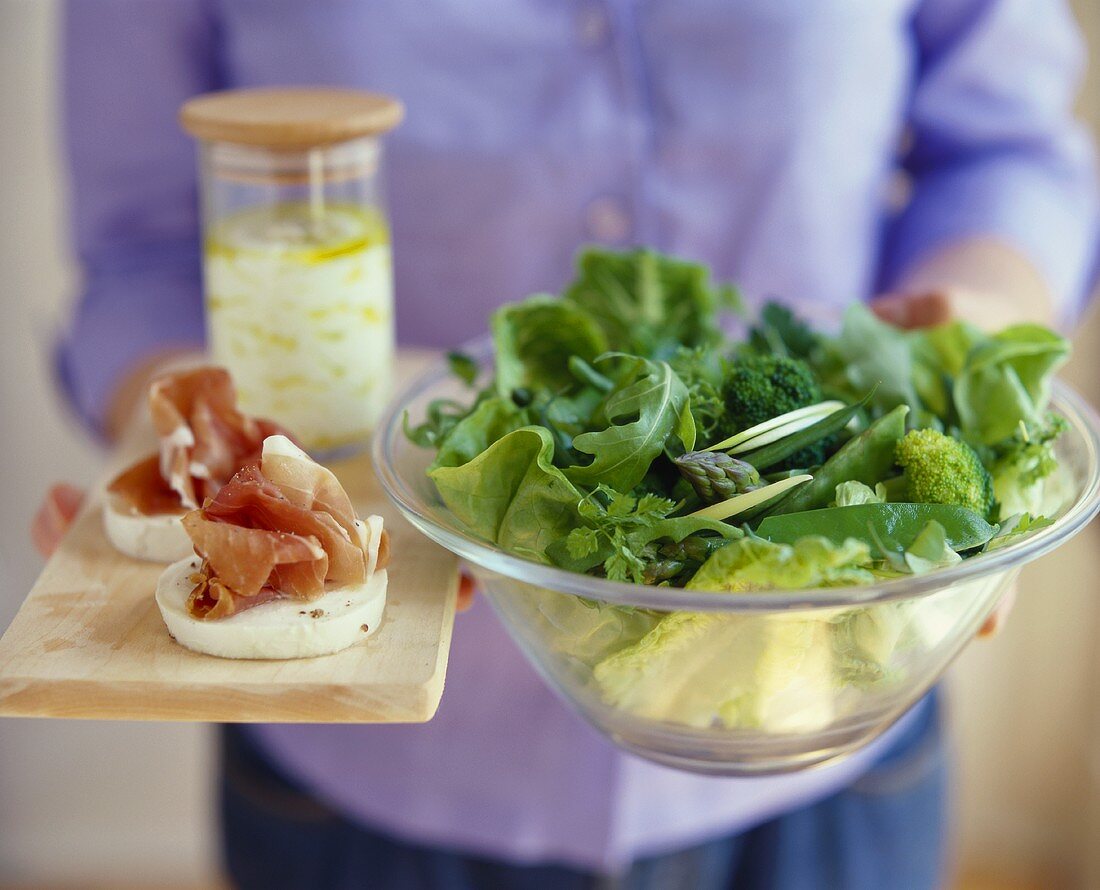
(535,340)
(751,563)
(741,671)
(512,495)
(849,494)
(491,420)
(648,304)
(1006,381)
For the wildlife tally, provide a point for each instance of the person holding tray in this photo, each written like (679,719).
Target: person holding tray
(921,154)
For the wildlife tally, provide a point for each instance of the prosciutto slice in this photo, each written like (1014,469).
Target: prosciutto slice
(284,528)
(204,440)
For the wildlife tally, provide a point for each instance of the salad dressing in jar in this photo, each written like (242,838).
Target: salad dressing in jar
(297,264)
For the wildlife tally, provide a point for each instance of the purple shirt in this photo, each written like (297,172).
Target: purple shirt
(763,137)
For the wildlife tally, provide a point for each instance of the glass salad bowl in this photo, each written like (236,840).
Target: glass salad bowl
(734,684)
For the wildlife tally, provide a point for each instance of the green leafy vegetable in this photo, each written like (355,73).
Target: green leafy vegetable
(706,669)
(939,355)
(463,367)
(928,551)
(700,369)
(512,495)
(1006,381)
(442,416)
(849,494)
(648,304)
(870,355)
(489,421)
(535,340)
(587,631)
(1024,468)
(1016,527)
(623,534)
(615,520)
(641,413)
(754,563)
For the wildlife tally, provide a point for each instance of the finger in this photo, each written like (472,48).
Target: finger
(68,499)
(920,310)
(467,587)
(55,516)
(996,620)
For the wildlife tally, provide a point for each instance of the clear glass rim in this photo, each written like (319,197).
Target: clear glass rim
(1082,419)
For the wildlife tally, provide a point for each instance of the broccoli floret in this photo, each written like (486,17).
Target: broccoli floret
(940,469)
(759,387)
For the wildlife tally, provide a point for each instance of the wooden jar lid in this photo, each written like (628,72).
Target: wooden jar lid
(289,117)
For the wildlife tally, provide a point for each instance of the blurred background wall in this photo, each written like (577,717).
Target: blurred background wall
(100,804)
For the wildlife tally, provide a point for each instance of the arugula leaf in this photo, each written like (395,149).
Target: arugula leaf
(644,410)
(536,339)
(512,495)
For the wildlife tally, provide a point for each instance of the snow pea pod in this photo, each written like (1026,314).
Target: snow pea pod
(867,458)
(894,526)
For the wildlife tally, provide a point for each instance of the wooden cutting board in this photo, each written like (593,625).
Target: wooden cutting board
(88,641)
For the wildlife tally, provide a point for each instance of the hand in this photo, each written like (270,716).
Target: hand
(922,309)
(997,618)
(467,587)
(55,516)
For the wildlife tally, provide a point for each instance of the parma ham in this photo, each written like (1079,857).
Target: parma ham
(284,528)
(203,440)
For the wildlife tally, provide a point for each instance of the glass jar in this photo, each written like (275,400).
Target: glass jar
(297,265)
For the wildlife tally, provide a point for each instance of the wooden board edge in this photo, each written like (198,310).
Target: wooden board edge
(90,700)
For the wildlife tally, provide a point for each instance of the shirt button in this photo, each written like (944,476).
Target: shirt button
(593,27)
(608,219)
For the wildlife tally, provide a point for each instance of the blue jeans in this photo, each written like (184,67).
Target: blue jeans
(884,832)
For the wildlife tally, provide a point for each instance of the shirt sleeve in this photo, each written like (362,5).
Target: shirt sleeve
(128,66)
(995,149)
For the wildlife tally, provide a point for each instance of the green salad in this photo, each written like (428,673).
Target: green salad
(624,435)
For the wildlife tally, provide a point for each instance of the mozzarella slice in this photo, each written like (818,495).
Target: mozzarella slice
(276,629)
(158,538)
